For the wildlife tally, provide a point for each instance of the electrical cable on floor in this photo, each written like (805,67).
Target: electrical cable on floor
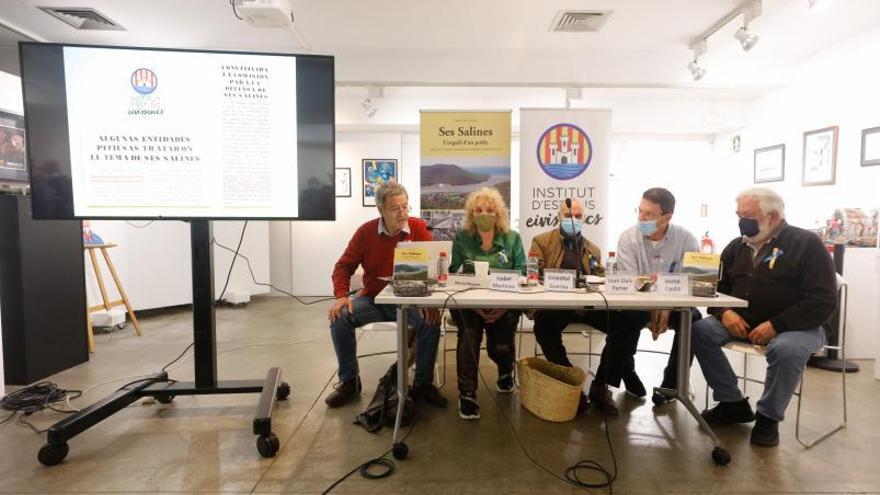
(571,473)
(36,397)
(382,460)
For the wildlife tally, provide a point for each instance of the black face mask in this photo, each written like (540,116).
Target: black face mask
(749,227)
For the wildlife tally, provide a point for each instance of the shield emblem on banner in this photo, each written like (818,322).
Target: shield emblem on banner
(564,151)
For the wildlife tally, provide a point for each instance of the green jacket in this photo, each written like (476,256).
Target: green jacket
(506,252)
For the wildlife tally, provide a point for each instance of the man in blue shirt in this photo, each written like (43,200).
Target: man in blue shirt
(653,245)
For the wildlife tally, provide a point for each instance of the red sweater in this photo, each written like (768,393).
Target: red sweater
(375,253)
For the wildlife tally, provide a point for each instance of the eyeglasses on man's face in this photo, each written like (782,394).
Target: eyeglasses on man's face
(404,208)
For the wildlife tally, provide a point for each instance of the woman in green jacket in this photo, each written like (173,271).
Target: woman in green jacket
(486,237)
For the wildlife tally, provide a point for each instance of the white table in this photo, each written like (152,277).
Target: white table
(540,299)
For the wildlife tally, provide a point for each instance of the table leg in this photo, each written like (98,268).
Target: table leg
(399,448)
(719,454)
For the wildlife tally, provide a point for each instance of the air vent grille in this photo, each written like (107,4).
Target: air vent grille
(84,18)
(581,21)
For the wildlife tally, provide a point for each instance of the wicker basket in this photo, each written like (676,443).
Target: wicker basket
(549,391)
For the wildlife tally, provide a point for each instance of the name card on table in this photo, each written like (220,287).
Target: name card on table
(620,283)
(506,280)
(673,284)
(559,280)
(458,281)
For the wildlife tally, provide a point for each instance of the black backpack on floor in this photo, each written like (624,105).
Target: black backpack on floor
(382,410)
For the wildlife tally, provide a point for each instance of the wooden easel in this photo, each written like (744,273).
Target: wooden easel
(107,303)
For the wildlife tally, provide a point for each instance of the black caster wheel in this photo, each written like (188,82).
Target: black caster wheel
(121,326)
(283,391)
(52,454)
(268,445)
(400,451)
(720,456)
(165,398)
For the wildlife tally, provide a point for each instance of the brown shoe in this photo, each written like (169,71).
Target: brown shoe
(600,396)
(344,392)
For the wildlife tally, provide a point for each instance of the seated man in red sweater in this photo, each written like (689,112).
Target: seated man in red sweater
(372,247)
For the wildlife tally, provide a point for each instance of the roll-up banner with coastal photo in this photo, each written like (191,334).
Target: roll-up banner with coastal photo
(460,153)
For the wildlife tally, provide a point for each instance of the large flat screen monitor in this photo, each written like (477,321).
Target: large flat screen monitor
(122,132)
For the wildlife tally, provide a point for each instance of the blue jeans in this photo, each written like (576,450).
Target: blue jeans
(342,331)
(786,354)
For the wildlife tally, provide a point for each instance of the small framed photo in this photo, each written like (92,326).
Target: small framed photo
(770,164)
(820,157)
(871,146)
(377,171)
(343,182)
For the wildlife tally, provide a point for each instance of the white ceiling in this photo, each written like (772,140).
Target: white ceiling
(644,44)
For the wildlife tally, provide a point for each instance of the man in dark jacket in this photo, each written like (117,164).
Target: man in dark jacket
(787,276)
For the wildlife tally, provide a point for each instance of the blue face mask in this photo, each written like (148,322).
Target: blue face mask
(571,227)
(648,227)
(749,227)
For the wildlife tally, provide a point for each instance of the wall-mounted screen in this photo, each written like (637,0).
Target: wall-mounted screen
(121,132)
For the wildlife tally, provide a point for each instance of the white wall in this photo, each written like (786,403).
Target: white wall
(154,262)
(10,94)
(837,86)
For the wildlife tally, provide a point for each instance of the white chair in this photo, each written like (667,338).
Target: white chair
(748,349)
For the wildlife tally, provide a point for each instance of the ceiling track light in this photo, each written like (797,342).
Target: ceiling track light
(369,108)
(746,39)
(697,72)
(749,10)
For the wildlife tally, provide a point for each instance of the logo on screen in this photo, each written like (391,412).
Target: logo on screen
(144,81)
(564,151)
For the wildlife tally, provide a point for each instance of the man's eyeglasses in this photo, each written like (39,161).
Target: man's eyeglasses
(579,217)
(399,208)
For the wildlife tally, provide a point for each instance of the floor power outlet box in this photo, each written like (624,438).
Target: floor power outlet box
(236,297)
(112,318)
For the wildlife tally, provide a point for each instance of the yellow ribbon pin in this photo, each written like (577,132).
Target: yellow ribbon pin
(773,257)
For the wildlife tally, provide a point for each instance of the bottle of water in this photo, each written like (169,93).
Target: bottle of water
(532,274)
(442,269)
(611,264)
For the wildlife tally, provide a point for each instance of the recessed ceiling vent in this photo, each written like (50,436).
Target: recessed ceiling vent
(579,21)
(84,18)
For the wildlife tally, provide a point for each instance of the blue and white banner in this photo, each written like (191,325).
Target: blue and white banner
(564,153)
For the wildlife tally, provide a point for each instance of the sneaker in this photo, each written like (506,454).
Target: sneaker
(583,404)
(429,394)
(505,385)
(600,396)
(728,413)
(468,408)
(765,432)
(344,392)
(634,385)
(661,399)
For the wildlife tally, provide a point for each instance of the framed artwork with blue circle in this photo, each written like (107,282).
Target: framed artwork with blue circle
(377,171)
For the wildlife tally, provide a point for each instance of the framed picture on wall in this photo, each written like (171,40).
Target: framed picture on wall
(820,156)
(377,171)
(13,163)
(343,182)
(770,164)
(871,146)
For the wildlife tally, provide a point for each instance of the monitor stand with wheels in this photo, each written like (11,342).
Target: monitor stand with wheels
(164,389)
